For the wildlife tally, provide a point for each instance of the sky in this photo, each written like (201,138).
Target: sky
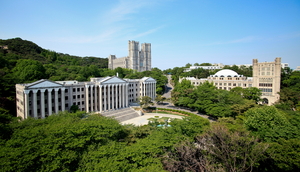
(180,31)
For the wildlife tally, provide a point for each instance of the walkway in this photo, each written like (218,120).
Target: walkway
(121,114)
(143,120)
(169,106)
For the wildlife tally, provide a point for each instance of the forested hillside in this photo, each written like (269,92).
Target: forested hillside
(22,61)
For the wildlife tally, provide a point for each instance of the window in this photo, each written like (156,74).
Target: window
(74,89)
(66,90)
(78,89)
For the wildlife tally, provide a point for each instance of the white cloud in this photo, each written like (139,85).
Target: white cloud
(148,32)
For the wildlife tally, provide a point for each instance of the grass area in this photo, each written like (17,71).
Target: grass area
(169,112)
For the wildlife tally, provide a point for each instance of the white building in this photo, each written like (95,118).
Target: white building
(266,77)
(203,67)
(44,97)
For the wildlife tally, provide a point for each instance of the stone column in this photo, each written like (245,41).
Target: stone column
(108,97)
(62,95)
(116,95)
(34,102)
(120,95)
(87,104)
(26,101)
(56,99)
(112,97)
(153,91)
(100,99)
(105,104)
(49,102)
(92,98)
(144,89)
(126,91)
(96,98)
(123,95)
(42,101)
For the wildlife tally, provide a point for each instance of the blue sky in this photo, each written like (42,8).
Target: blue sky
(180,31)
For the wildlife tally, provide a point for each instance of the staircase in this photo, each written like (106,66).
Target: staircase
(121,114)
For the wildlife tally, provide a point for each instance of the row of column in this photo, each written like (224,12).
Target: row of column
(106,97)
(149,89)
(42,101)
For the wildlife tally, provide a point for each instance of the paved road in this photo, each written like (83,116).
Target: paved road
(168,88)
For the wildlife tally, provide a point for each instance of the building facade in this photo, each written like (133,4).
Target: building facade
(137,59)
(266,77)
(202,67)
(44,97)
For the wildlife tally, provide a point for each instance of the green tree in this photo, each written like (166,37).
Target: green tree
(159,99)
(269,124)
(28,70)
(217,150)
(146,101)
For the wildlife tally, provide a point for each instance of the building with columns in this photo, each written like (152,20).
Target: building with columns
(266,77)
(44,97)
(139,60)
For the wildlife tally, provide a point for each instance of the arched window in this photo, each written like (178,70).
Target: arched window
(265,101)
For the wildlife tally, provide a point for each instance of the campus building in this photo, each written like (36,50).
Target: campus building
(44,97)
(202,67)
(266,77)
(139,60)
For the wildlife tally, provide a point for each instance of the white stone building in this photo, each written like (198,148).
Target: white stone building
(266,77)
(203,67)
(44,97)
(139,60)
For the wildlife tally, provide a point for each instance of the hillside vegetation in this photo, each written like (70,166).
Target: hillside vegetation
(23,61)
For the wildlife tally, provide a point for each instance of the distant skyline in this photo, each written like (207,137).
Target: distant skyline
(180,32)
